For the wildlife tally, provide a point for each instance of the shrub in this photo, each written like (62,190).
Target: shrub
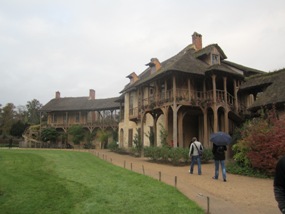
(176,155)
(262,143)
(185,155)
(207,155)
(165,153)
(138,142)
(152,152)
(235,168)
(113,146)
(173,155)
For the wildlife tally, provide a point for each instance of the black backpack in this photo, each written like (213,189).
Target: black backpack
(220,150)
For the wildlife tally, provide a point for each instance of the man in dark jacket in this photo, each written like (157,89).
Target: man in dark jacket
(219,157)
(279,184)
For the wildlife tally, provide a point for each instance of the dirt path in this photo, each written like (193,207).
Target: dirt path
(238,195)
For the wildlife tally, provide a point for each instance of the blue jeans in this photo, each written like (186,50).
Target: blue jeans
(217,163)
(193,160)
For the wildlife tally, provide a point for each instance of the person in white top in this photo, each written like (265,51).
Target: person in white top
(196,148)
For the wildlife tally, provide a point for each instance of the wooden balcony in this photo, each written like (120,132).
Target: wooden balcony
(96,124)
(182,97)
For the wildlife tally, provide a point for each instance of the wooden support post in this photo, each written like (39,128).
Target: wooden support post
(208,205)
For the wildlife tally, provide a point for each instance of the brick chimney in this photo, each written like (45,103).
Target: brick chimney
(57,95)
(133,77)
(197,40)
(91,94)
(154,64)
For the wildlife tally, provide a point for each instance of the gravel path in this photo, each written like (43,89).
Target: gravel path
(238,195)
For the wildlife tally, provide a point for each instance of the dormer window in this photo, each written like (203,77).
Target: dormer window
(215,59)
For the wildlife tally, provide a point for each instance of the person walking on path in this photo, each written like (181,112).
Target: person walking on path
(219,157)
(194,152)
(279,184)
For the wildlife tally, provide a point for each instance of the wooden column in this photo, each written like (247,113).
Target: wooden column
(165,90)
(225,91)
(206,138)
(174,108)
(165,112)
(155,129)
(189,89)
(180,129)
(226,108)
(204,89)
(235,95)
(215,112)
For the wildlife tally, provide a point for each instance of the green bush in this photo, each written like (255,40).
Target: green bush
(176,154)
(154,153)
(113,146)
(173,155)
(207,155)
(235,168)
(165,153)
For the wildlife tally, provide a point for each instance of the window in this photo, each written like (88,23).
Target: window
(54,118)
(64,118)
(215,59)
(130,138)
(77,118)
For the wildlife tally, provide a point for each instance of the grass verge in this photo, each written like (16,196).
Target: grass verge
(53,181)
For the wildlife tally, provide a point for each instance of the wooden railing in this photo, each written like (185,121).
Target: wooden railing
(99,124)
(184,97)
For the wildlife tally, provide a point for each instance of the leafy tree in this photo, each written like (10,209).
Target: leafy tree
(103,137)
(33,111)
(89,139)
(163,135)
(49,134)
(18,128)
(7,118)
(138,141)
(77,133)
(150,136)
(22,114)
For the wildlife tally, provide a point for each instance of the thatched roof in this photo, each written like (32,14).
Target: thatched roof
(246,70)
(270,84)
(208,49)
(189,61)
(184,61)
(223,69)
(81,104)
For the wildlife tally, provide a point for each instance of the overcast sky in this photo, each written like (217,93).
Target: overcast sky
(73,46)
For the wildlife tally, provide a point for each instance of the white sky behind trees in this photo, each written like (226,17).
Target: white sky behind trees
(73,46)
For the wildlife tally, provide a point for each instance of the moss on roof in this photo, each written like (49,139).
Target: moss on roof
(270,84)
(208,49)
(187,61)
(247,71)
(81,104)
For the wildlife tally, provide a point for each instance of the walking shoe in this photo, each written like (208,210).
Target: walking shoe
(225,180)
(214,178)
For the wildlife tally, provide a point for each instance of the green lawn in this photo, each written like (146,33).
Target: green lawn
(54,181)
